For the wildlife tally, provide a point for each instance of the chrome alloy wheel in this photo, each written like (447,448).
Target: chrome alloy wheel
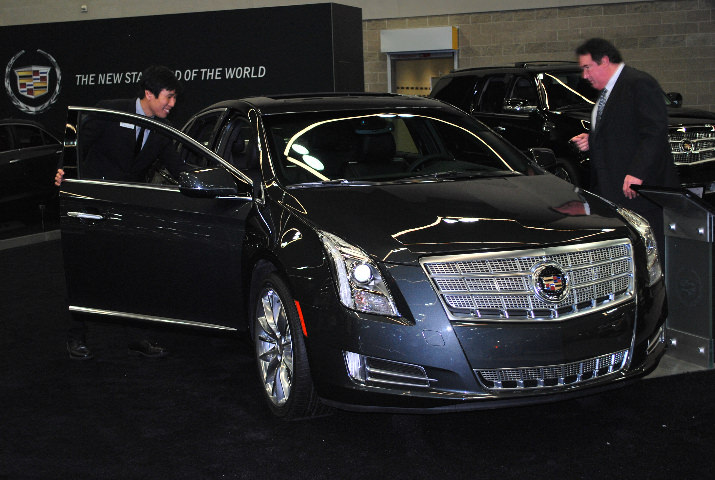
(274,347)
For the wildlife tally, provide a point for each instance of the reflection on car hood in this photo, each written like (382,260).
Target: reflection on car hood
(402,222)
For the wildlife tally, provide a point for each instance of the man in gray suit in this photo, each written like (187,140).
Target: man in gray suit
(628,142)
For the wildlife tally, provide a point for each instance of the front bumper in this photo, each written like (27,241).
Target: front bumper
(425,362)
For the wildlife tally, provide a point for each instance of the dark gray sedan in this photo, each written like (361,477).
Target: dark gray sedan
(382,252)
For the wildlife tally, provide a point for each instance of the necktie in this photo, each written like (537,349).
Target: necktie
(601,104)
(140,141)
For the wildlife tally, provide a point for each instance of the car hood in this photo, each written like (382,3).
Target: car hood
(690,116)
(676,116)
(402,222)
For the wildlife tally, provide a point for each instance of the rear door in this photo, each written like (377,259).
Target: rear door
(146,251)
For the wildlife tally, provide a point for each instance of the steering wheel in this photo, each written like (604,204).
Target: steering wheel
(434,157)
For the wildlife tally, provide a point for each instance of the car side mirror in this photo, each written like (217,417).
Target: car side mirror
(207,183)
(544,157)
(676,99)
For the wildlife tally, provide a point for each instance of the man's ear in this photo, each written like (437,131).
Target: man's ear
(148,94)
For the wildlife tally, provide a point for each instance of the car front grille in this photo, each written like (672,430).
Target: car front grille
(692,145)
(503,285)
(515,379)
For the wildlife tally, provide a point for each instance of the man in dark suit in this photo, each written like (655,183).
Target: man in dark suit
(125,152)
(114,151)
(628,142)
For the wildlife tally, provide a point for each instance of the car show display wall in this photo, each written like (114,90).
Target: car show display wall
(217,55)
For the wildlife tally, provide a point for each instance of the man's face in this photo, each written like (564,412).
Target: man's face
(162,104)
(598,75)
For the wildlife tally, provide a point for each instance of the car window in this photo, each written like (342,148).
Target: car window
(29,136)
(525,90)
(492,98)
(457,90)
(239,145)
(567,89)
(202,130)
(359,146)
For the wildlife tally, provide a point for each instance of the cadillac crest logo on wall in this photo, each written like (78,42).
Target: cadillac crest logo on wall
(28,83)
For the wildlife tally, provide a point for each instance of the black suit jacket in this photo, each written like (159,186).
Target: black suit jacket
(108,148)
(632,139)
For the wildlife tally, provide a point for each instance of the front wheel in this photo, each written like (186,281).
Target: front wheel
(280,353)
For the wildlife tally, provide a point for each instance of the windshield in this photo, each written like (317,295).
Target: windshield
(567,89)
(339,147)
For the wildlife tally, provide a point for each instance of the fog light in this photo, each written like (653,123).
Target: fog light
(356,366)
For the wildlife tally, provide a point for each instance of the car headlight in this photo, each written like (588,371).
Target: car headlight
(651,249)
(360,284)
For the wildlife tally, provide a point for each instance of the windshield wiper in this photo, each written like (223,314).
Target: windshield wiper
(451,174)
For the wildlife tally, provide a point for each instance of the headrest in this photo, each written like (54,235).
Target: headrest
(376,148)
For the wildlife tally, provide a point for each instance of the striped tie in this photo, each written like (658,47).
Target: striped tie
(601,104)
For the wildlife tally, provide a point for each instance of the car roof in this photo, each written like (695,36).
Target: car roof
(328,102)
(520,67)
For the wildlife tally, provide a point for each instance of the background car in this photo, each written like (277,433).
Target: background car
(382,252)
(29,156)
(545,104)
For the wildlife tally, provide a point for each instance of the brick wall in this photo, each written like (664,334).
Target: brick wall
(672,40)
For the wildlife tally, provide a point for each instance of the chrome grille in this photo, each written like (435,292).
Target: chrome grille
(691,145)
(552,375)
(501,285)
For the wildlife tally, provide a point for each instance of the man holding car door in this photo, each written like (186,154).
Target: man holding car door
(125,152)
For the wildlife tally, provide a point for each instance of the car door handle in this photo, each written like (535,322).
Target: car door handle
(500,129)
(86,216)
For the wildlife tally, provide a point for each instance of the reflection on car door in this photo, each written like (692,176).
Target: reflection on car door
(147,251)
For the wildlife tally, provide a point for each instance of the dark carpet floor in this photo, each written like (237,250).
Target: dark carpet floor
(197,414)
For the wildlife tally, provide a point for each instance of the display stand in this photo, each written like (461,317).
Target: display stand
(689,269)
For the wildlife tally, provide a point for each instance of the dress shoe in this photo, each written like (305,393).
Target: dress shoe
(78,350)
(147,349)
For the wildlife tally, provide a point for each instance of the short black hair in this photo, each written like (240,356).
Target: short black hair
(157,78)
(599,48)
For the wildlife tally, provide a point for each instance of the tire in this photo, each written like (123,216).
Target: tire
(281,357)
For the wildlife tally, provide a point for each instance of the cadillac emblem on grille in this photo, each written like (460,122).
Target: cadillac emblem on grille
(550,282)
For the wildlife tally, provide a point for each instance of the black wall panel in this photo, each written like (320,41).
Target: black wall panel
(217,55)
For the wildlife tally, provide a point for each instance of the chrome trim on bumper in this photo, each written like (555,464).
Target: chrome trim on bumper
(568,374)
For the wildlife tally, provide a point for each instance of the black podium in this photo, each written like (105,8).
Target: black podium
(689,266)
